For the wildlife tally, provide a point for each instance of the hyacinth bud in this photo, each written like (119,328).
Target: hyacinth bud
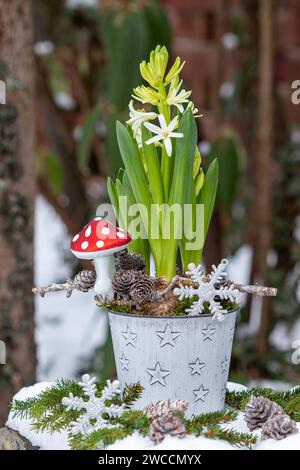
(146,95)
(174,70)
(153,71)
(161,58)
(148,74)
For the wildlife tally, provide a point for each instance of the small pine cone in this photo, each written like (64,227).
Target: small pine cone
(129,261)
(142,291)
(84,280)
(279,427)
(259,410)
(163,425)
(123,280)
(164,407)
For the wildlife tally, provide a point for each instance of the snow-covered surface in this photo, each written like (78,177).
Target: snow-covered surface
(59,441)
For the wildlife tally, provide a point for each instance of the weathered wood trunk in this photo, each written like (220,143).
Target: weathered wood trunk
(17,193)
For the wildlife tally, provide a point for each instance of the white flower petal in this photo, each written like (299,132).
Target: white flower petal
(162,122)
(176,134)
(168,146)
(173,124)
(153,128)
(156,138)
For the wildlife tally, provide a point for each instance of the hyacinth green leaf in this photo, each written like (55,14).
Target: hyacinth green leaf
(138,182)
(153,168)
(208,193)
(182,188)
(138,245)
(113,196)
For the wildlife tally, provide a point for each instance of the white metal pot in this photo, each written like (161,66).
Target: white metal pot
(175,357)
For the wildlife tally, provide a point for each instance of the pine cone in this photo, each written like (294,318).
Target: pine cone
(123,280)
(163,425)
(259,410)
(279,427)
(129,261)
(164,407)
(84,280)
(142,291)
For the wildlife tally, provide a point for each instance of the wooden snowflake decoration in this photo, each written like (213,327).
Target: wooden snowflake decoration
(94,408)
(209,290)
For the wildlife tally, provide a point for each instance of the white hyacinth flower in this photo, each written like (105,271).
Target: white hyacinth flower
(164,132)
(176,98)
(137,117)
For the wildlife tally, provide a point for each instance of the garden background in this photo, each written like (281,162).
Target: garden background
(69,68)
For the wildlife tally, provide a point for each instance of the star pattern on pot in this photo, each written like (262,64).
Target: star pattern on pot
(129,336)
(124,362)
(167,336)
(196,367)
(224,365)
(223,392)
(200,393)
(231,333)
(158,375)
(208,332)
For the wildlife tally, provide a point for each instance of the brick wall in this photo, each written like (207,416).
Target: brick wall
(198,26)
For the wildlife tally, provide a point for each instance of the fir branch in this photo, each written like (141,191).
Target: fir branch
(288,400)
(132,393)
(49,399)
(128,423)
(197,424)
(55,421)
(234,438)
(99,439)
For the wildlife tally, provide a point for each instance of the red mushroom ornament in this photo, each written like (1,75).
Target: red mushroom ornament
(98,241)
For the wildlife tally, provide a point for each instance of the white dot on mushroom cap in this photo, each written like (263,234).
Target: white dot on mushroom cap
(98,218)
(105,231)
(100,244)
(84,245)
(120,235)
(88,231)
(76,237)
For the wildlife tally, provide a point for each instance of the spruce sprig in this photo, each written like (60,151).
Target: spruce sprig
(288,400)
(235,438)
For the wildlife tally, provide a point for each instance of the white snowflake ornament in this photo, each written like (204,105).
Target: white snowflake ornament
(206,290)
(94,407)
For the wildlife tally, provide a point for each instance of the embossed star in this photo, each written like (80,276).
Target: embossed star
(223,392)
(224,365)
(231,333)
(196,366)
(158,375)
(200,393)
(124,362)
(208,332)
(167,336)
(129,337)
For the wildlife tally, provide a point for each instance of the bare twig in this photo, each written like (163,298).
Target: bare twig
(258,291)
(67,286)
(83,281)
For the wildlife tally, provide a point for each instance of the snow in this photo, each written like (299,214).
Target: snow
(58,441)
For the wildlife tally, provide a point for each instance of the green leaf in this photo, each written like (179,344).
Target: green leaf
(138,181)
(182,188)
(86,138)
(113,196)
(208,193)
(153,168)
